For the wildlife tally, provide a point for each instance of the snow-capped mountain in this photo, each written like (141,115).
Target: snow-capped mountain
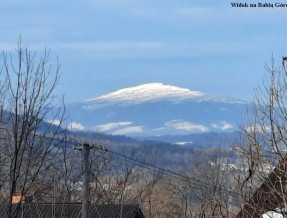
(153,92)
(148,93)
(156,109)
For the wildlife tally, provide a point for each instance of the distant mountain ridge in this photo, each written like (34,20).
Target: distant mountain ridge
(153,92)
(209,139)
(157,109)
(148,93)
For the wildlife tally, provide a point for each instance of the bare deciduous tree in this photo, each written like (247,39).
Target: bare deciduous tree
(29,144)
(263,188)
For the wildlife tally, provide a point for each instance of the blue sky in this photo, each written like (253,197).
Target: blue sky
(105,45)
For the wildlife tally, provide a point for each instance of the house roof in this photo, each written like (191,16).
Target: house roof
(269,195)
(33,210)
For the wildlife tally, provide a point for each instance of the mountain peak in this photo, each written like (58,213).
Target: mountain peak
(156,109)
(148,92)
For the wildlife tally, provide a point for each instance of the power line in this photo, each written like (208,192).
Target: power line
(125,158)
(162,170)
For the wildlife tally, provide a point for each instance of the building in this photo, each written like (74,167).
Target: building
(270,196)
(70,210)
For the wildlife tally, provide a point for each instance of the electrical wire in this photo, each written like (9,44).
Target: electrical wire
(162,170)
(125,158)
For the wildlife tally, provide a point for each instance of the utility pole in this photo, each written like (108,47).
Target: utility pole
(85,148)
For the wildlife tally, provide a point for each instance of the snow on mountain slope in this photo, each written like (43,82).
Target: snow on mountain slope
(154,92)
(156,109)
(148,92)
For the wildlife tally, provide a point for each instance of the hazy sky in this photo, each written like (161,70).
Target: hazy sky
(105,45)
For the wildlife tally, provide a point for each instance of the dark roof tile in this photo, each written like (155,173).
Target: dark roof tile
(72,211)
